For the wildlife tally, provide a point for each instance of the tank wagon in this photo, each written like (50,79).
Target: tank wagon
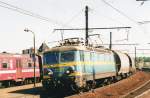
(76,66)
(17,69)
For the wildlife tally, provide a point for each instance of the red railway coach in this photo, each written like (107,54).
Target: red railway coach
(18,69)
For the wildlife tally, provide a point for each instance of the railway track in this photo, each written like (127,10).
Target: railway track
(138,91)
(115,90)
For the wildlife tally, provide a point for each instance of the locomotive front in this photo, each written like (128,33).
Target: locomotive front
(60,68)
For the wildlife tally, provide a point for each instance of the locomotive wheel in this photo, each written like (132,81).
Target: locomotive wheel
(110,81)
(88,87)
(48,85)
(118,78)
(94,85)
(74,88)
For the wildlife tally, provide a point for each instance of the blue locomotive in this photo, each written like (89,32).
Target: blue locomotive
(76,66)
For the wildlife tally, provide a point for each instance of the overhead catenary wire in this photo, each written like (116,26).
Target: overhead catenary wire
(107,17)
(29,13)
(120,12)
(74,17)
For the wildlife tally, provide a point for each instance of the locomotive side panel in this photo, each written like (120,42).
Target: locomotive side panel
(106,66)
(98,65)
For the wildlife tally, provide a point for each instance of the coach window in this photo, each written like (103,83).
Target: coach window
(4,65)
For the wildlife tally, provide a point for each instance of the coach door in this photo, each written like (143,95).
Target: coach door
(19,68)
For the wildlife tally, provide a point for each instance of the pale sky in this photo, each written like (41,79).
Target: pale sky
(71,14)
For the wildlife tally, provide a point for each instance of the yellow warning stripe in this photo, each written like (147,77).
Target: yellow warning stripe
(78,63)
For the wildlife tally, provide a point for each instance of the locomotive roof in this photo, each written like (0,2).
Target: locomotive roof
(86,48)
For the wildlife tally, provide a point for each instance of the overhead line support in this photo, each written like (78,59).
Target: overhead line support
(86,25)
(95,28)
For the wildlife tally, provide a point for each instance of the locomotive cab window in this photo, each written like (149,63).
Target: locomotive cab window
(51,58)
(5,65)
(67,56)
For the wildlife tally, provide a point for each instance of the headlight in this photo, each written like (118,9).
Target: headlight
(70,69)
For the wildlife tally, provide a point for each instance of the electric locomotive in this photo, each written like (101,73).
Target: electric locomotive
(76,66)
